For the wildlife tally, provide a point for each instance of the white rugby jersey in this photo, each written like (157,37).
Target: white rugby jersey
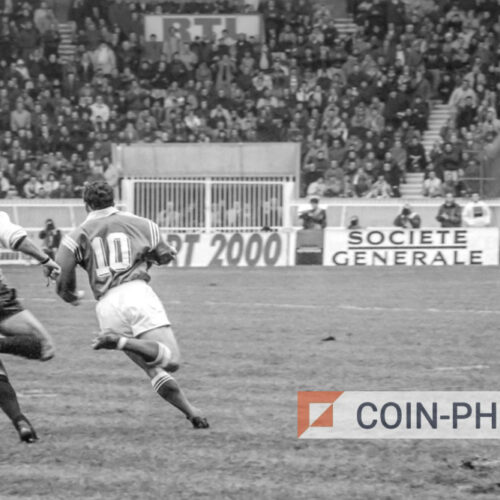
(10,234)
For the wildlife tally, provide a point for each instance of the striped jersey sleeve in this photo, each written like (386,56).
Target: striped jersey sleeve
(154,234)
(70,242)
(10,234)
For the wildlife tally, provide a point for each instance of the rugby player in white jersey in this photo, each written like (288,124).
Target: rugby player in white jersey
(21,334)
(116,250)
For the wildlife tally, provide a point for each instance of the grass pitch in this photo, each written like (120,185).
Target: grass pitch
(250,339)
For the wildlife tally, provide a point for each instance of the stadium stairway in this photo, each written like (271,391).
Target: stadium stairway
(345,25)
(437,119)
(66,47)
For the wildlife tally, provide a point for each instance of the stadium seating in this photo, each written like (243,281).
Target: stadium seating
(357,102)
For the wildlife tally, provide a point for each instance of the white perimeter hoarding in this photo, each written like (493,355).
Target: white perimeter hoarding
(265,249)
(417,247)
(187,28)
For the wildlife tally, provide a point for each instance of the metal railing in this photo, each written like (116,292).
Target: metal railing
(211,204)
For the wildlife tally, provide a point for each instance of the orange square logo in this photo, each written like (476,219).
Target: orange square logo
(315,409)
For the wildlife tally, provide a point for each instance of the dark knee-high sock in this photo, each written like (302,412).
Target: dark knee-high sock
(8,400)
(27,346)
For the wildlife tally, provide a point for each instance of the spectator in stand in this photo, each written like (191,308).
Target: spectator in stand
(20,118)
(432,187)
(450,213)
(416,157)
(317,188)
(449,184)
(380,189)
(462,188)
(361,183)
(461,95)
(407,218)
(31,188)
(476,213)
(305,83)
(467,114)
(99,110)
(103,59)
(44,18)
(448,161)
(392,175)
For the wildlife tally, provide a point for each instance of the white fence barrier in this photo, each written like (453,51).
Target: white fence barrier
(211,204)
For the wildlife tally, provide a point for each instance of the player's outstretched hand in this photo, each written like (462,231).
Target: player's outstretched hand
(79,296)
(51,269)
(172,253)
(48,351)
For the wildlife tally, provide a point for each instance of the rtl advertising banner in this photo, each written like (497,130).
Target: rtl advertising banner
(187,28)
(266,249)
(417,247)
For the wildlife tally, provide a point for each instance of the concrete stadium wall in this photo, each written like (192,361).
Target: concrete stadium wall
(33,213)
(208,160)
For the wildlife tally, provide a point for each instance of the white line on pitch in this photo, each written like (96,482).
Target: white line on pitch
(267,304)
(48,299)
(351,308)
(460,368)
(314,306)
(413,309)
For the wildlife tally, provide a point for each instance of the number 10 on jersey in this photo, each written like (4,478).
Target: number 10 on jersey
(112,254)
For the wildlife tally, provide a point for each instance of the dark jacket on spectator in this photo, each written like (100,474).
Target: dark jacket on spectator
(314,218)
(450,215)
(449,161)
(408,220)
(416,157)
(119,13)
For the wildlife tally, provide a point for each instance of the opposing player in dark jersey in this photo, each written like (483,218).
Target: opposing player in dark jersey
(116,250)
(21,333)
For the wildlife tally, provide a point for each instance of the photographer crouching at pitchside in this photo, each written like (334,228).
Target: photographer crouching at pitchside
(408,218)
(51,237)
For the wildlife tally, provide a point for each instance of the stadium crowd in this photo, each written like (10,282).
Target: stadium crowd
(358,104)
(403,56)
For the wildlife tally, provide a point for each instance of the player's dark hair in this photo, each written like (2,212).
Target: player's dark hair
(98,195)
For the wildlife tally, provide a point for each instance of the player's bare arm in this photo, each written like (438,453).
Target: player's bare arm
(25,335)
(66,281)
(28,247)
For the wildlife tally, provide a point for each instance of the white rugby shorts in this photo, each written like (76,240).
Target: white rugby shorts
(131,309)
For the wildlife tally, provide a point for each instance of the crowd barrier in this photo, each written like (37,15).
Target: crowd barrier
(287,245)
(211,204)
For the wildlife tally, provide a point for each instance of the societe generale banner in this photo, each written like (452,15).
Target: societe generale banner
(265,249)
(187,28)
(415,247)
